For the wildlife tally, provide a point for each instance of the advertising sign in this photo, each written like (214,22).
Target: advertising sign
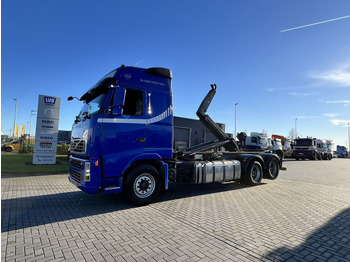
(46,134)
(23,129)
(16,131)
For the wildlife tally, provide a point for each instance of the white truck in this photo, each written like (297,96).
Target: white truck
(324,148)
(256,141)
(311,148)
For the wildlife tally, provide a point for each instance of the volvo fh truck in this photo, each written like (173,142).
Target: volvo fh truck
(122,141)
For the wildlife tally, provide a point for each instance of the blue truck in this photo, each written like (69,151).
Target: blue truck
(122,141)
(342,152)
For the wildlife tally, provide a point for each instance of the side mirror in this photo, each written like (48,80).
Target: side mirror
(118,103)
(117,111)
(71,98)
(254,140)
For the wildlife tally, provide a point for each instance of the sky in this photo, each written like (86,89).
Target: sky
(279,60)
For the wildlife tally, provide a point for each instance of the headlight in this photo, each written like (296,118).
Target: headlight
(87,171)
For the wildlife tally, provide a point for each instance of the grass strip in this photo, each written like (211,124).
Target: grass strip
(22,163)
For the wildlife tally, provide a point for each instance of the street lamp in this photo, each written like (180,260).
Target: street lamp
(235,120)
(14,123)
(296,133)
(30,123)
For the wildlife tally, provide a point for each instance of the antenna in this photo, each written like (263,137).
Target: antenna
(139,62)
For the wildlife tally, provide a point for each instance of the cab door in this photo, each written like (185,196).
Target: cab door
(124,132)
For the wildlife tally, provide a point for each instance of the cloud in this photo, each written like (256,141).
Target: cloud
(331,115)
(340,122)
(339,75)
(308,117)
(303,94)
(338,102)
(286,88)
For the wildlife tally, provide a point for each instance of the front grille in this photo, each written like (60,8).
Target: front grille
(76,163)
(75,175)
(78,146)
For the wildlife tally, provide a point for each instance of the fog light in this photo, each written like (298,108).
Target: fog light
(87,171)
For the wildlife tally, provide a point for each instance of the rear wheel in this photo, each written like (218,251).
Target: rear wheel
(254,173)
(142,185)
(273,169)
(8,149)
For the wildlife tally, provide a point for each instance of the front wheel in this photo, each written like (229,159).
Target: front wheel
(142,185)
(254,173)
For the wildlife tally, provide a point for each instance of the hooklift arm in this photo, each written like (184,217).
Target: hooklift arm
(223,139)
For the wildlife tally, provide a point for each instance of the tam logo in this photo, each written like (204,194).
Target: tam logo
(49,100)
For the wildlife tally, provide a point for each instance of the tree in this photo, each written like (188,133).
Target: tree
(291,133)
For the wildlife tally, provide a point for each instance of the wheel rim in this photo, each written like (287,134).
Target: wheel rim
(273,168)
(255,173)
(144,185)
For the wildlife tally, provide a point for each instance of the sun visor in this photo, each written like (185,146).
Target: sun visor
(99,88)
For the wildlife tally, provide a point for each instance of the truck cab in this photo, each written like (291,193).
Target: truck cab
(126,117)
(323,149)
(342,152)
(305,148)
(256,141)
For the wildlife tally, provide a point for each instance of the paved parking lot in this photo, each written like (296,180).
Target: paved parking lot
(304,215)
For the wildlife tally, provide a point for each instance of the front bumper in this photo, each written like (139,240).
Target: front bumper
(88,182)
(86,174)
(303,154)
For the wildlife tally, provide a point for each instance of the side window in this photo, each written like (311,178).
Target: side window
(133,105)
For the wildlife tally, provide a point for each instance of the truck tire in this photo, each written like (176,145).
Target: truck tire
(272,170)
(254,174)
(142,185)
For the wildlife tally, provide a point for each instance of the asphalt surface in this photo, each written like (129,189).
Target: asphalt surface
(303,215)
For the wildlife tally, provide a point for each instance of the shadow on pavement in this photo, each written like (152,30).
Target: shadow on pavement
(330,242)
(19,213)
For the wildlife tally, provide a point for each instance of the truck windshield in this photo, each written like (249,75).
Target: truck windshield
(262,141)
(303,142)
(287,142)
(278,143)
(93,106)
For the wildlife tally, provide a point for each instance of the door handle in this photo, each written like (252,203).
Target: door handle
(141,139)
